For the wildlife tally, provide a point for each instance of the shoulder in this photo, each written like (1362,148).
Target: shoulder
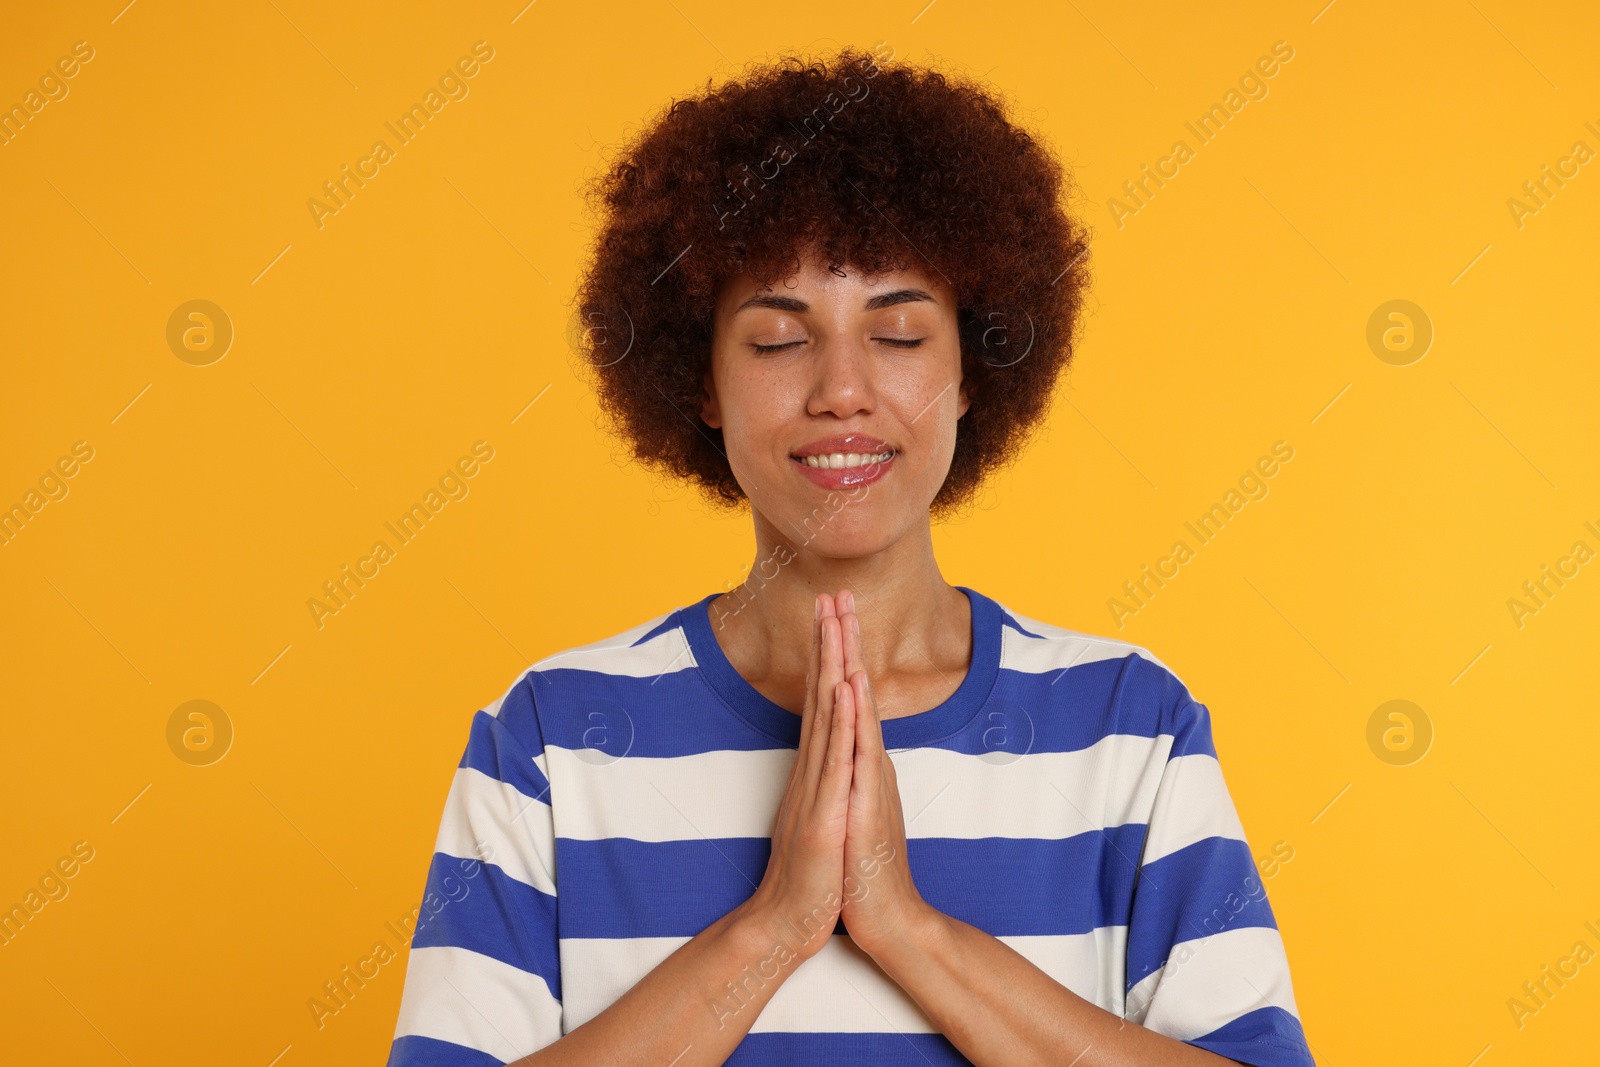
(643,649)
(583,675)
(1033,645)
(1137,690)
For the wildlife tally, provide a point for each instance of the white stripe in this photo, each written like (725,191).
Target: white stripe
(1047,795)
(667,651)
(1057,647)
(1092,965)
(1210,981)
(1191,805)
(612,655)
(667,799)
(486,819)
(596,971)
(457,995)
(817,997)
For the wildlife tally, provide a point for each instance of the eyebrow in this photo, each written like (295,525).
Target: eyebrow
(789,303)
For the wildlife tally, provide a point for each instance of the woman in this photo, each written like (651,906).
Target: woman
(842,293)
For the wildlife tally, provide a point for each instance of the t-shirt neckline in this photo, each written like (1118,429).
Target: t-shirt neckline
(907,731)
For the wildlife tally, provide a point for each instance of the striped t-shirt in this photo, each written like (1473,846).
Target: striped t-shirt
(619,798)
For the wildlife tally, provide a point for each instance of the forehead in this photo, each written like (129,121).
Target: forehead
(812,281)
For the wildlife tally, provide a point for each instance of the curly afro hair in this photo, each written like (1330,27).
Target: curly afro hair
(874,165)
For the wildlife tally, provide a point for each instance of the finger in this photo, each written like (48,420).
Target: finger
(852,642)
(829,676)
(838,772)
(813,667)
(818,733)
(869,737)
(867,728)
(866,700)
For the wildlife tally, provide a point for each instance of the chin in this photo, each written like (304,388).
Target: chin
(859,529)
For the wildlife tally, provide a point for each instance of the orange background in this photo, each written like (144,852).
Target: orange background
(1229,312)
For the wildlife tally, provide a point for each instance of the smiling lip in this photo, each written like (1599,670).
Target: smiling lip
(847,477)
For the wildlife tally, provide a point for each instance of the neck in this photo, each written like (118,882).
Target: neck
(904,605)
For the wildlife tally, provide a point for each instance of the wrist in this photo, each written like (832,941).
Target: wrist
(917,937)
(772,930)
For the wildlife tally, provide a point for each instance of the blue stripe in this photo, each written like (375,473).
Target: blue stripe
(1029,886)
(619,887)
(521,718)
(678,714)
(664,626)
(836,1050)
(674,714)
(1201,890)
(1191,730)
(414,1051)
(1005,886)
(492,914)
(1070,711)
(493,750)
(1266,1037)
(1007,619)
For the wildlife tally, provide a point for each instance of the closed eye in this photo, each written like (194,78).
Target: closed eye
(897,342)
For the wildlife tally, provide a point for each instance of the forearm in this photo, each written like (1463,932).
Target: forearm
(693,1009)
(1000,1010)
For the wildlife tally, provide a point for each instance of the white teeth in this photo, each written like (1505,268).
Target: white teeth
(841,460)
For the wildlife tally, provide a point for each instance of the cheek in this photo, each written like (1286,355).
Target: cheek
(943,449)
(755,407)
(928,404)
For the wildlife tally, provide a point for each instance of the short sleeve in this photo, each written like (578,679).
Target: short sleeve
(1205,962)
(483,982)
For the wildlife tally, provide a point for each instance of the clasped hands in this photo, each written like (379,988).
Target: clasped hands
(839,839)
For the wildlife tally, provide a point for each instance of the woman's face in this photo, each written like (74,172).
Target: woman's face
(837,398)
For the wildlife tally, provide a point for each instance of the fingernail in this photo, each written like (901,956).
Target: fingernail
(816,603)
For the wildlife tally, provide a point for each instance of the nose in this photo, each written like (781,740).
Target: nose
(842,378)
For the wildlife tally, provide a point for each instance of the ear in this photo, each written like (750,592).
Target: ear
(966,400)
(710,412)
